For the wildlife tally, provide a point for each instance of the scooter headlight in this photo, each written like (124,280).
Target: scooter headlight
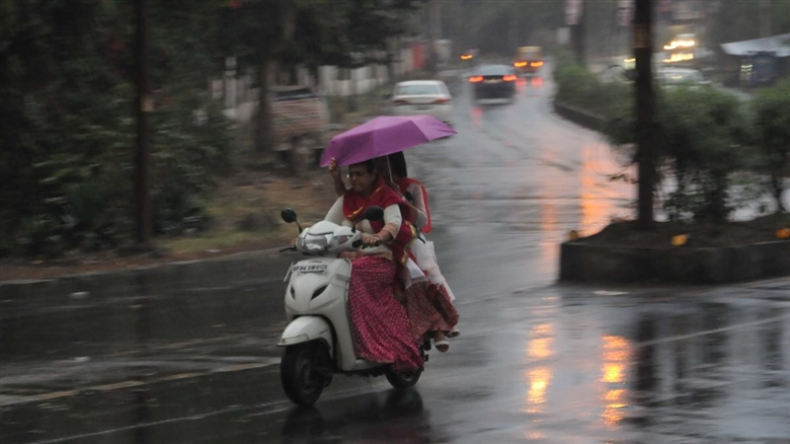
(317,242)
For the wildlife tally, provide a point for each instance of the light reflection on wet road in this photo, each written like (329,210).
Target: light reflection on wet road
(535,362)
(548,365)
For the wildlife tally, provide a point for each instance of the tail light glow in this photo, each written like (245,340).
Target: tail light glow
(509,78)
(520,64)
(466,57)
(475,79)
(441,101)
(536,64)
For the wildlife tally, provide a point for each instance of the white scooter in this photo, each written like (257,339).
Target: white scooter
(318,340)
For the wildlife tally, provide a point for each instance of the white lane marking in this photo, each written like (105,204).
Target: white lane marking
(169,421)
(709,332)
(131,383)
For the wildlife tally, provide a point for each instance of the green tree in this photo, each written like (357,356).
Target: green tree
(269,34)
(499,27)
(772,137)
(67,139)
(740,20)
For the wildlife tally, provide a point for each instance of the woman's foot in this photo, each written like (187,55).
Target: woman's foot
(440,342)
(453,334)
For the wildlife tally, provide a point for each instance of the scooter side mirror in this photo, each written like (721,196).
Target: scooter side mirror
(373,213)
(288,215)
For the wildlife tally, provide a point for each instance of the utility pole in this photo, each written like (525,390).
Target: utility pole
(765,18)
(512,36)
(578,31)
(433,34)
(645,110)
(143,217)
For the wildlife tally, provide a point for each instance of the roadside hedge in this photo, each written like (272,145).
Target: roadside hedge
(710,143)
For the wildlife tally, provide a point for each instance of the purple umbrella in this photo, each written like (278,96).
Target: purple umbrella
(384,135)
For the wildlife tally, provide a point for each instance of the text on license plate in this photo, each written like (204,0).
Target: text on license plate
(309,268)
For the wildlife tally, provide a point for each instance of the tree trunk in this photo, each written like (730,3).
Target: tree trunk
(351,98)
(269,65)
(645,110)
(144,215)
(264,134)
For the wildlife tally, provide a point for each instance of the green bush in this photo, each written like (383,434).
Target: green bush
(771,137)
(577,86)
(701,134)
(701,143)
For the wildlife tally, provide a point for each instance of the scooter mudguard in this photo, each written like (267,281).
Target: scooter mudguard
(305,329)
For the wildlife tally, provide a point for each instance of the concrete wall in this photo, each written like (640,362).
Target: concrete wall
(241,99)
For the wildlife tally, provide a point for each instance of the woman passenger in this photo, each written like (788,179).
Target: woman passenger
(438,319)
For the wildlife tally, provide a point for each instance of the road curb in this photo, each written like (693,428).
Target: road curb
(579,116)
(257,266)
(583,262)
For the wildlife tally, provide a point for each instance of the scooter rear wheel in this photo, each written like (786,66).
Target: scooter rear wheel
(300,372)
(402,380)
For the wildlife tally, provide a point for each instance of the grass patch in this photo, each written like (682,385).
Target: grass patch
(245,210)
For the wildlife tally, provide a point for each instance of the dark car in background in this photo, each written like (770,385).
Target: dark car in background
(493,82)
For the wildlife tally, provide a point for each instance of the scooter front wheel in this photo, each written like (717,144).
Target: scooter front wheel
(301,372)
(402,380)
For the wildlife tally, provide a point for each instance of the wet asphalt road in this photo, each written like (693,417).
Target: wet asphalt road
(536,362)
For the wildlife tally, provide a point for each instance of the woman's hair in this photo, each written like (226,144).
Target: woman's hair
(398,164)
(370,165)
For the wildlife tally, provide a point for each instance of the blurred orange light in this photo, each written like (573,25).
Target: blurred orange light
(520,64)
(536,64)
(475,79)
(539,381)
(466,57)
(509,78)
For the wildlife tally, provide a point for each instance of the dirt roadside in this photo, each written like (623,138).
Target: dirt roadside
(245,216)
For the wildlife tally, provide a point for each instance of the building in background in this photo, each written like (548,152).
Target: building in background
(756,62)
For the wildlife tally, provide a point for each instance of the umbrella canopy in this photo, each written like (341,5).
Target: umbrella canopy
(384,135)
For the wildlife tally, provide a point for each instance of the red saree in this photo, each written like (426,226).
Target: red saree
(354,205)
(380,324)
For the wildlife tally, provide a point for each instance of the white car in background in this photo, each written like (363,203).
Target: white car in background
(422,97)
(672,77)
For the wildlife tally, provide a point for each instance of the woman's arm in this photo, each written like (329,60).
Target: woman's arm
(392,222)
(335,213)
(420,215)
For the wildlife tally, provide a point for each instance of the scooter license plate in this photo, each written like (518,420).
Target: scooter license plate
(309,268)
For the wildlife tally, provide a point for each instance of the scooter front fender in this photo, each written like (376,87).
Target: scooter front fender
(305,329)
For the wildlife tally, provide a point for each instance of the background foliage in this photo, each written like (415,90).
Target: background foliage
(709,140)
(67,100)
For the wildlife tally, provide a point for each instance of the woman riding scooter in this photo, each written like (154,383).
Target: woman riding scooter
(381,328)
(429,302)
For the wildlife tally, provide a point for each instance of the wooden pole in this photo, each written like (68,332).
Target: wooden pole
(143,217)
(645,110)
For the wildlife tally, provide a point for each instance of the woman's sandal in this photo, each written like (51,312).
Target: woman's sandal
(442,345)
(453,333)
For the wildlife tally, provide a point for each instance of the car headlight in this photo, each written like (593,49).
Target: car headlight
(317,242)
